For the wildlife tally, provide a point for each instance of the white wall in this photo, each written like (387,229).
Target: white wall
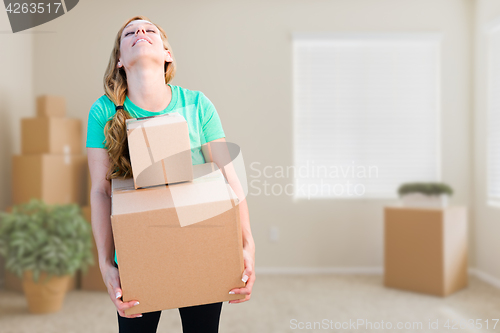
(487,217)
(239,55)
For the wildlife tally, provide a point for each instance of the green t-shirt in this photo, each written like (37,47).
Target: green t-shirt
(201,116)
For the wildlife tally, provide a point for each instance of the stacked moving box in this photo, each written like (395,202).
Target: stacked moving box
(51,166)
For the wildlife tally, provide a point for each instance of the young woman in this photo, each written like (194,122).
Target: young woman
(136,84)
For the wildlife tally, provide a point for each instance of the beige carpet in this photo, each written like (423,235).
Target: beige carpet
(280,304)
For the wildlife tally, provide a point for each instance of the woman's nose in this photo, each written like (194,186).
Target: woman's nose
(141,29)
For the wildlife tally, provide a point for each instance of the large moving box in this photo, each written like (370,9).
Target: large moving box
(55,179)
(160,151)
(178,245)
(44,135)
(426,249)
(92,279)
(50,106)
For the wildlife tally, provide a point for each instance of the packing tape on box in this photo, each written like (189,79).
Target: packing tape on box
(67,159)
(150,152)
(140,156)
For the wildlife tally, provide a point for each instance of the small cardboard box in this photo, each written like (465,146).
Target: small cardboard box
(426,249)
(50,106)
(160,151)
(53,178)
(178,245)
(92,279)
(42,135)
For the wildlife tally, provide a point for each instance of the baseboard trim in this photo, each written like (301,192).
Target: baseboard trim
(485,277)
(319,270)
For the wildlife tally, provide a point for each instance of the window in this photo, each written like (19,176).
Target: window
(366,113)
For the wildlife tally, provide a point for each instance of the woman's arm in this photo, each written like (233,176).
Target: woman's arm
(100,203)
(216,151)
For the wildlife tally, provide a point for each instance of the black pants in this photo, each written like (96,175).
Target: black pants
(198,318)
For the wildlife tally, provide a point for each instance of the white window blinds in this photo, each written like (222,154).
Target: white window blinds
(366,113)
(493,116)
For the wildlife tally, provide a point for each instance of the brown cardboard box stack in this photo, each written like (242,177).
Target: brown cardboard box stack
(51,166)
(426,249)
(178,243)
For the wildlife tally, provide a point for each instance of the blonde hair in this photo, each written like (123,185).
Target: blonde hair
(115,87)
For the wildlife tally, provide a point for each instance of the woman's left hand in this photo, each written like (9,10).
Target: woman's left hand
(248,276)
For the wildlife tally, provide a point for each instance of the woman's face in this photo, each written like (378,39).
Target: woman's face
(141,42)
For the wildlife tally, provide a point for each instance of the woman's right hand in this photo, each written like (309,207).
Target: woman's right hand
(112,280)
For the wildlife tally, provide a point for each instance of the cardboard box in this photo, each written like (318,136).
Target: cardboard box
(178,245)
(56,179)
(50,106)
(160,151)
(92,279)
(51,136)
(426,249)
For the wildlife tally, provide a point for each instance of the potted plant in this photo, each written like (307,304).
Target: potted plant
(419,194)
(44,245)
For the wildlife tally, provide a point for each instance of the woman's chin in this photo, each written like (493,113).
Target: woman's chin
(147,58)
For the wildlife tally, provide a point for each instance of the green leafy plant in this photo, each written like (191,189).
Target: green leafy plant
(425,188)
(55,239)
